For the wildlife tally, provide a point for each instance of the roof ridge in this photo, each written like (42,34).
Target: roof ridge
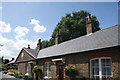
(28,48)
(29,52)
(111,27)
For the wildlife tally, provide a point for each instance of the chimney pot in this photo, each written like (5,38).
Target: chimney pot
(28,46)
(39,41)
(13,59)
(89,17)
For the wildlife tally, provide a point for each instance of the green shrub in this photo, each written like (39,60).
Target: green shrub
(38,71)
(4,67)
(26,77)
(71,71)
(20,76)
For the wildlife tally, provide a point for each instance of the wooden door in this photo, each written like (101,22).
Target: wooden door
(61,74)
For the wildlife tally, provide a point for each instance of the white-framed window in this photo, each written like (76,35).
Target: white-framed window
(22,54)
(101,68)
(47,69)
(18,68)
(26,68)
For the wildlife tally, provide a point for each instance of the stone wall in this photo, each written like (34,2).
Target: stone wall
(22,68)
(116,65)
(82,61)
(25,56)
(53,71)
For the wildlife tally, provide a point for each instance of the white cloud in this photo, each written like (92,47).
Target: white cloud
(1,7)
(37,27)
(11,48)
(21,32)
(4,27)
(34,21)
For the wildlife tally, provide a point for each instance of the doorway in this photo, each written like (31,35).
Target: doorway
(61,72)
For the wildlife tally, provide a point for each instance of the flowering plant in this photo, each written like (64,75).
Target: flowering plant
(71,71)
(11,73)
(37,69)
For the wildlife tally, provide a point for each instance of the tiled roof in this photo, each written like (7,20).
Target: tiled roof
(32,52)
(101,39)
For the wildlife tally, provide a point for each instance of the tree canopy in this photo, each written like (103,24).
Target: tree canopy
(71,26)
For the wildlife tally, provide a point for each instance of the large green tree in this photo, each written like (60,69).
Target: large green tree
(71,26)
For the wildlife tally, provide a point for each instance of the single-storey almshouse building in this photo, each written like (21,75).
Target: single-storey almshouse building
(95,55)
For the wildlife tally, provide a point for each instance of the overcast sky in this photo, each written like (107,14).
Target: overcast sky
(23,23)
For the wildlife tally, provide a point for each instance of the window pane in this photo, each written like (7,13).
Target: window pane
(103,77)
(47,68)
(92,62)
(108,71)
(103,71)
(108,62)
(103,62)
(95,67)
(105,67)
(92,71)
(26,68)
(96,78)
(96,71)
(96,63)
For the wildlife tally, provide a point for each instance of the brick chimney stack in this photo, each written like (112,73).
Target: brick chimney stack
(89,27)
(39,44)
(57,37)
(28,46)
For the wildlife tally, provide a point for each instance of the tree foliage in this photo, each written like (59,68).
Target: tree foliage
(71,26)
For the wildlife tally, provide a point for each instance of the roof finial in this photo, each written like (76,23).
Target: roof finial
(28,46)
